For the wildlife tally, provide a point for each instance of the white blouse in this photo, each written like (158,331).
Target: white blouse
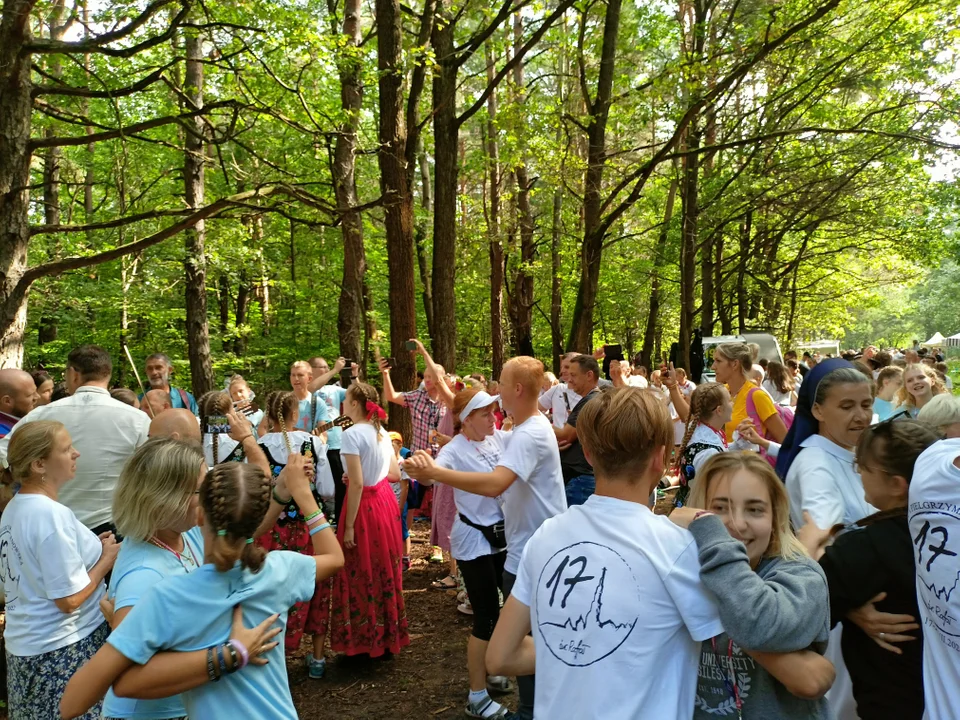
(822,481)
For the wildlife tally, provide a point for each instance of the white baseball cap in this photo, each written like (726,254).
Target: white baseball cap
(481,400)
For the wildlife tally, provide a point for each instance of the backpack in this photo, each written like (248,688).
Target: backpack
(786,415)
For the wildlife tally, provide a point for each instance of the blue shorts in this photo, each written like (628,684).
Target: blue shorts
(404,532)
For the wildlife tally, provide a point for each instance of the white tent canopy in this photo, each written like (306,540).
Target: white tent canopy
(937,339)
(953,341)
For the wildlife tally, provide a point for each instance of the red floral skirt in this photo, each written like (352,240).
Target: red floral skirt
(368,614)
(309,617)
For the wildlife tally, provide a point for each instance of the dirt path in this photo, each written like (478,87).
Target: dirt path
(427,680)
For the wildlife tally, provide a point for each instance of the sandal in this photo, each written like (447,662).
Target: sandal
(447,583)
(473,711)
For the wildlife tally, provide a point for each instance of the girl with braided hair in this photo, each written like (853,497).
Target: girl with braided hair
(368,614)
(710,409)
(290,532)
(194,614)
(239,444)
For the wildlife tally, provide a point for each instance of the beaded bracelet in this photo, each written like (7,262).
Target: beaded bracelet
(313,515)
(240,648)
(221,661)
(279,499)
(318,528)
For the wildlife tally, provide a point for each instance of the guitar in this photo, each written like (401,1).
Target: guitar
(341,422)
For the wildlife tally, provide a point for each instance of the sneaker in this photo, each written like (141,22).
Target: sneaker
(462,596)
(406,562)
(466,608)
(477,710)
(316,668)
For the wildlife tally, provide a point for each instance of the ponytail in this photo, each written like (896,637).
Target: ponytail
(280,407)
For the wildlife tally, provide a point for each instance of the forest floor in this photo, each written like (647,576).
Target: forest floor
(427,680)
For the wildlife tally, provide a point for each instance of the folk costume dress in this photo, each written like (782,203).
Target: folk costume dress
(368,613)
(290,532)
(704,443)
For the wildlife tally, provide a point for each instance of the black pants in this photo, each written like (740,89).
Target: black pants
(483,577)
(339,489)
(526,685)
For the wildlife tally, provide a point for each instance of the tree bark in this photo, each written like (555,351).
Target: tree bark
(688,241)
(351,312)
(653,316)
(522,298)
(398,207)
(581,330)
(446,135)
(195,262)
(493,226)
(420,236)
(240,315)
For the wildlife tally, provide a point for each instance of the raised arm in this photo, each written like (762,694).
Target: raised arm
(321,380)
(326,550)
(446,394)
(422,466)
(389,394)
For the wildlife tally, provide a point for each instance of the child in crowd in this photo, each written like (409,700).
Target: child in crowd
(710,410)
(771,595)
(401,489)
(193,614)
(611,591)
(889,382)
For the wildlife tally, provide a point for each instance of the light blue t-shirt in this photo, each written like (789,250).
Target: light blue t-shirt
(195,611)
(882,408)
(139,567)
(308,419)
(333,397)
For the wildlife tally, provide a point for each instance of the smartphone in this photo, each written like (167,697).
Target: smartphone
(411,345)
(390,362)
(346,375)
(611,354)
(217,425)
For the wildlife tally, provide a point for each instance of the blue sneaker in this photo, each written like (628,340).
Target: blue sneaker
(316,668)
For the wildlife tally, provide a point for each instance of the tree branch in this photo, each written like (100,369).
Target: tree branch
(107,224)
(96,43)
(142,84)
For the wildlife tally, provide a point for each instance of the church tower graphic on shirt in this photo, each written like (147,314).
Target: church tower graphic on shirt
(586,603)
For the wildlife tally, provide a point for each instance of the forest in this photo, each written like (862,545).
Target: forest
(241,184)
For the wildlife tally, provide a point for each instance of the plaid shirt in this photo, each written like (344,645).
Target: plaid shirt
(425,414)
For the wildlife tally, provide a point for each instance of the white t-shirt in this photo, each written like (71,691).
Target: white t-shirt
(618,613)
(467,543)
(560,400)
(779,398)
(934,517)
(278,452)
(105,432)
(537,494)
(374,451)
(45,553)
(822,481)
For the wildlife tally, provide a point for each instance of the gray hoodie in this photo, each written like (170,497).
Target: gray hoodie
(781,607)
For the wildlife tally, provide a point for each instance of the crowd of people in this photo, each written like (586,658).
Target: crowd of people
(773,543)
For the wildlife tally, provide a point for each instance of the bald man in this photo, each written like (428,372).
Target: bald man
(18,396)
(176,423)
(156,401)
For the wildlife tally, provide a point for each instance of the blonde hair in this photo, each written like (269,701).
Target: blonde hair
(621,429)
(31,442)
(155,487)
(280,407)
(738,352)
(783,543)
(527,371)
(703,402)
(940,411)
(235,498)
(937,386)
(363,394)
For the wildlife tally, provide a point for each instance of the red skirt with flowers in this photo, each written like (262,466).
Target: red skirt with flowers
(292,534)
(368,613)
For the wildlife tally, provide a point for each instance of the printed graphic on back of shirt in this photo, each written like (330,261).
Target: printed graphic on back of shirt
(587,603)
(935,526)
(10,564)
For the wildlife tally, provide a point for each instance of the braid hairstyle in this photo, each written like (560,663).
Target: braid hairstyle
(703,402)
(215,402)
(363,393)
(235,498)
(280,407)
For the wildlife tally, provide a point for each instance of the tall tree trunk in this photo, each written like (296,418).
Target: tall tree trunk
(351,312)
(195,262)
(398,211)
(493,225)
(522,299)
(15,120)
(556,297)
(746,228)
(420,234)
(224,303)
(688,241)
(445,136)
(653,316)
(581,330)
(240,315)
